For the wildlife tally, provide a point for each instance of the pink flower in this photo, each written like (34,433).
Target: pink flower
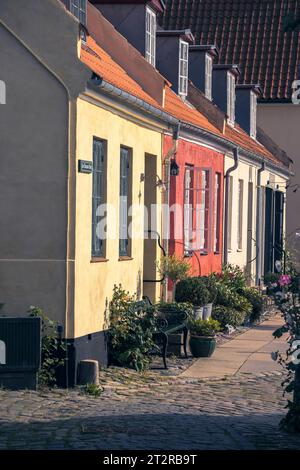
(284,280)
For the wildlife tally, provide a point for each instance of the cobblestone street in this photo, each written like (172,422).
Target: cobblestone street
(150,412)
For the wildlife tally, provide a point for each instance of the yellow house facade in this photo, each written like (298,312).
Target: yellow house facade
(95,277)
(246,239)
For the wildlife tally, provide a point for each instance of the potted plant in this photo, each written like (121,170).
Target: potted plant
(175,269)
(210,284)
(202,337)
(194,291)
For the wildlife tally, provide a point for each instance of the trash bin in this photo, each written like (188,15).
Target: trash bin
(20,352)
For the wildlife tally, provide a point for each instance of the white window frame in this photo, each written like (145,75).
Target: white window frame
(217,212)
(183,71)
(205,210)
(150,38)
(188,207)
(208,76)
(240,214)
(230,98)
(79,9)
(230,212)
(253,114)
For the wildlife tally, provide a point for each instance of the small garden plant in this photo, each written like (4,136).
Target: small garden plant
(130,336)
(204,327)
(286,293)
(193,290)
(175,269)
(53,349)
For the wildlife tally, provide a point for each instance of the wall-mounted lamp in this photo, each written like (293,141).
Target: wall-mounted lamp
(294,187)
(174,168)
(160,184)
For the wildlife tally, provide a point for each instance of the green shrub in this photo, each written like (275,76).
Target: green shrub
(228,316)
(229,298)
(204,327)
(192,290)
(211,285)
(130,336)
(53,349)
(231,276)
(121,301)
(271,278)
(256,300)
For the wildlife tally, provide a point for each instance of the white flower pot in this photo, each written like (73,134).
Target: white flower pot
(198,312)
(207,311)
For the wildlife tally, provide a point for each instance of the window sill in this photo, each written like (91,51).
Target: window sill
(125,258)
(99,260)
(203,253)
(217,252)
(239,250)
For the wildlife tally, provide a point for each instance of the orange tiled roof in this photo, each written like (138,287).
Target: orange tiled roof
(241,138)
(175,106)
(103,65)
(181,110)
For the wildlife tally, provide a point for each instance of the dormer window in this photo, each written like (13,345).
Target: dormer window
(150,36)
(79,10)
(183,68)
(253,112)
(231,98)
(208,76)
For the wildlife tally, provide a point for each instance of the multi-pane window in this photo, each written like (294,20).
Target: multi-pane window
(230,189)
(124,201)
(231,98)
(150,50)
(205,210)
(240,214)
(188,207)
(197,217)
(208,76)
(183,68)
(79,9)
(98,196)
(253,111)
(217,212)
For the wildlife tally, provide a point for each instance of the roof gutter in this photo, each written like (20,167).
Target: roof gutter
(230,146)
(226,208)
(100,84)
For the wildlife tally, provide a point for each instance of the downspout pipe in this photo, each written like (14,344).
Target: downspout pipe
(259,225)
(166,214)
(226,208)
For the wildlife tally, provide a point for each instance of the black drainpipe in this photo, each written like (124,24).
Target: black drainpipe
(226,209)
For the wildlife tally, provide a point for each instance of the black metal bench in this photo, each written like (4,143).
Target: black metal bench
(169,320)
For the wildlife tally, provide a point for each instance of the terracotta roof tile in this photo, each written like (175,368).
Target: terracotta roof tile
(102,64)
(185,112)
(249,33)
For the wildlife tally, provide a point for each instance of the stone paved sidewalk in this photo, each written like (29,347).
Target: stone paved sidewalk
(241,412)
(152,411)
